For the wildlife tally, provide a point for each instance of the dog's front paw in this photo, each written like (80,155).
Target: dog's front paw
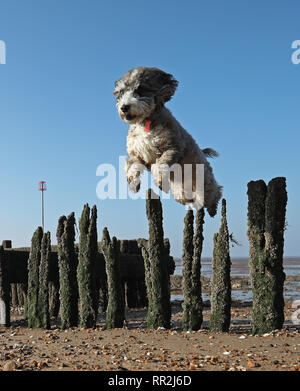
(134,184)
(161,176)
(133,171)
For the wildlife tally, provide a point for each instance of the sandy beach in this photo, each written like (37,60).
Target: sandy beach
(134,347)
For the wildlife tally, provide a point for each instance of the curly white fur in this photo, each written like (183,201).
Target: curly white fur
(141,94)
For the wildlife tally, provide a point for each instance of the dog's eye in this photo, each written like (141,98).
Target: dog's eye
(119,94)
(141,91)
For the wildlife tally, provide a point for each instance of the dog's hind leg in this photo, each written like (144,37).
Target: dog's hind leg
(213,205)
(198,202)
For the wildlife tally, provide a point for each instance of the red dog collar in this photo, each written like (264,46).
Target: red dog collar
(147,126)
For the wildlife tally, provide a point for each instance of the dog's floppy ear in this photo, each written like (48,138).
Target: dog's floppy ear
(169,85)
(161,83)
(117,88)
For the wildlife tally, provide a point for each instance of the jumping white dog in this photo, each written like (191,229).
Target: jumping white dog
(156,140)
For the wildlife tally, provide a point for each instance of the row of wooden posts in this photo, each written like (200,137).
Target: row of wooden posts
(77,282)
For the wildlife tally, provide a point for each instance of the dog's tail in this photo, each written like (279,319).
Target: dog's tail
(209,152)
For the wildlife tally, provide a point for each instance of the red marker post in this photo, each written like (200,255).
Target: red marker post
(42,188)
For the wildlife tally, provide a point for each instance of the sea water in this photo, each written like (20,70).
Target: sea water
(240,268)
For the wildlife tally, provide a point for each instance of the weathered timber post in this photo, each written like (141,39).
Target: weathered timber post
(266,224)
(88,293)
(103,294)
(115,313)
(7,244)
(187,260)
(33,315)
(14,295)
(67,262)
(148,281)
(4,291)
(197,305)
(54,303)
(156,266)
(191,261)
(21,294)
(221,284)
(93,251)
(43,295)
(24,293)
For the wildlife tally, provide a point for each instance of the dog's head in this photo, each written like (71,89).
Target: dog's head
(141,90)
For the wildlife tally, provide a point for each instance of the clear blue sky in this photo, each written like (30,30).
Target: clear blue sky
(238,93)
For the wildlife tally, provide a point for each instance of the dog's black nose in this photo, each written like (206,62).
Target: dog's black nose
(125,108)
